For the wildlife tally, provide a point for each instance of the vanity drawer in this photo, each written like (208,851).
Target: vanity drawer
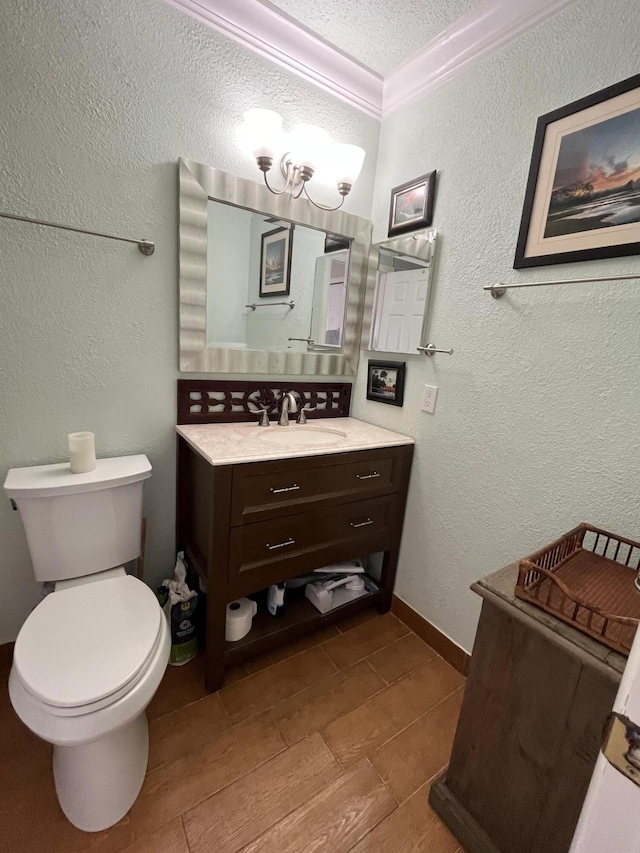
(269,489)
(271,551)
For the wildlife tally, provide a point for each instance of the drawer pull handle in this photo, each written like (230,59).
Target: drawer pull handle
(281,544)
(368,476)
(362,523)
(293,488)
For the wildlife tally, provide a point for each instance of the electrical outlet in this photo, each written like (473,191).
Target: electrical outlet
(429,398)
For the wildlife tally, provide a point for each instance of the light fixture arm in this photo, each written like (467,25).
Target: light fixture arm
(287,185)
(322,206)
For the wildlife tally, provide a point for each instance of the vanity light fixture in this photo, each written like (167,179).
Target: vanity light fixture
(308,148)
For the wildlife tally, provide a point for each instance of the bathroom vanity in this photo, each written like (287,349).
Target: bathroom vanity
(260,505)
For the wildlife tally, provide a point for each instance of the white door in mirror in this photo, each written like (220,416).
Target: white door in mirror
(402,304)
(429,398)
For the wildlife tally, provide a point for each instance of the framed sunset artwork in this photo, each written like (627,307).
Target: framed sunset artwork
(583,194)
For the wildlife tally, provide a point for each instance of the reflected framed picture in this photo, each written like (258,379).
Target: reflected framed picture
(412,205)
(275,262)
(335,243)
(385,382)
(582,200)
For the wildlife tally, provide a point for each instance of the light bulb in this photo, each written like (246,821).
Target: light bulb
(261,132)
(346,162)
(308,145)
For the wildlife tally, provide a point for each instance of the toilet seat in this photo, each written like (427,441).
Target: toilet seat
(84,647)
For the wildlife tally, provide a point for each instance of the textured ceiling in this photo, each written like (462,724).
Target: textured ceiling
(379,33)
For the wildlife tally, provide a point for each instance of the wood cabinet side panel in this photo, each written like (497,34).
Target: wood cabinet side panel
(194,503)
(592,702)
(517,701)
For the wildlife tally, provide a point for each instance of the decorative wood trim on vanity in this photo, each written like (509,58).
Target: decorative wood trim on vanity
(230,400)
(446,648)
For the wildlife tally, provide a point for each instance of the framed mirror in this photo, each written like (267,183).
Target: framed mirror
(268,284)
(399,283)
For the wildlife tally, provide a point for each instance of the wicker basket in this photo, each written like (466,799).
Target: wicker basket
(587,578)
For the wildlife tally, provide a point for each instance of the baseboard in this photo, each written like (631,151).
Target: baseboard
(438,641)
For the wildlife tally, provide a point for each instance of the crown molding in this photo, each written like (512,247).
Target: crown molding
(479,32)
(276,36)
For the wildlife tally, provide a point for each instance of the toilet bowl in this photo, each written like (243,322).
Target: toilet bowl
(89,658)
(86,664)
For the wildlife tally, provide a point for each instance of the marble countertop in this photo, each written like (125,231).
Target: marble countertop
(227,444)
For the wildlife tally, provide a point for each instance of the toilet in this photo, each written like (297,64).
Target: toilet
(91,655)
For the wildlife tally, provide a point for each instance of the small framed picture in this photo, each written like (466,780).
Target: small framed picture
(412,205)
(275,262)
(385,382)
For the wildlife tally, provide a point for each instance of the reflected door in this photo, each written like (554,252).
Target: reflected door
(402,310)
(329,299)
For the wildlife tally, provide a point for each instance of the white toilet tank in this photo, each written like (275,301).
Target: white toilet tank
(80,524)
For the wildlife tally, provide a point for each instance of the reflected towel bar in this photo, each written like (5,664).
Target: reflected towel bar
(253,305)
(498,290)
(145,246)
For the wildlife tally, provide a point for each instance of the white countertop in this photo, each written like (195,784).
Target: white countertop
(227,444)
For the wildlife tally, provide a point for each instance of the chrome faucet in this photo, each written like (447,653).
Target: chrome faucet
(289,405)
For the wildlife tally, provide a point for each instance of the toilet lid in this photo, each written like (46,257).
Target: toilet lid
(87,642)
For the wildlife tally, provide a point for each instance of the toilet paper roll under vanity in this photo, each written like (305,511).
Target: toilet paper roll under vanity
(82,452)
(240,615)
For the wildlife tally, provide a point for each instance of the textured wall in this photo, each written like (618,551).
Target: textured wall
(98,101)
(538,418)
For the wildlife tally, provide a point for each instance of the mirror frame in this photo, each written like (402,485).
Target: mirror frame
(198,184)
(422,246)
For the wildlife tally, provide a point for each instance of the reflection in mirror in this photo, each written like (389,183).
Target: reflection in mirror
(268,284)
(329,299)
(402,272)
(267,262)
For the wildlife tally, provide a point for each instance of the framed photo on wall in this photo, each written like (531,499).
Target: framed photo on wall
(275,262)
(583,193)
(385,382)
(412,205)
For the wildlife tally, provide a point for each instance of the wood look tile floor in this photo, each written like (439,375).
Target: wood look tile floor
(327,746)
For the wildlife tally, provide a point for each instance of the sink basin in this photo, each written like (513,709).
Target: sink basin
(302,436)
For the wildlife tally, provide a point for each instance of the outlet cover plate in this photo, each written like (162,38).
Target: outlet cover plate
(429,398)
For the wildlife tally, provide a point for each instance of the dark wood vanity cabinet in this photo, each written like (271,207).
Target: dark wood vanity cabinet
(247,526)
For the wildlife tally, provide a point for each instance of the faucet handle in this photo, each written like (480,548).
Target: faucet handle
(302,418)
(264,414)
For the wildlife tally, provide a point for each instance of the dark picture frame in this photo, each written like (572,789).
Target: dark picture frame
(385,382)
(335,243)
(411,205)
(582,200)
(275,262)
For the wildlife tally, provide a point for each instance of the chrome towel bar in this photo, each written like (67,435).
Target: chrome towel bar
(431,349)
(147,247)
(498,290)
